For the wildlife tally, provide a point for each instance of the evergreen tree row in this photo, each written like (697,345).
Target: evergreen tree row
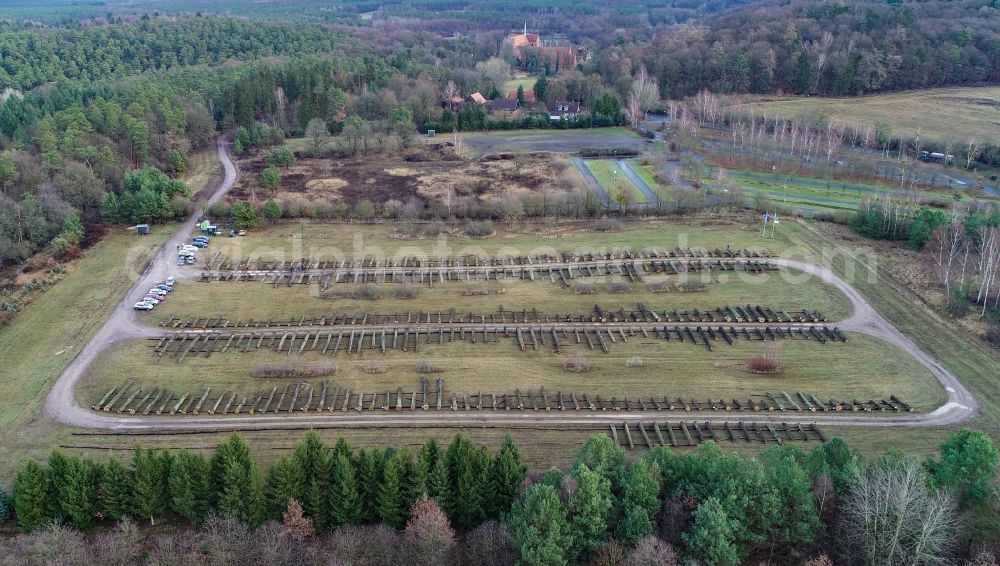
(335,485)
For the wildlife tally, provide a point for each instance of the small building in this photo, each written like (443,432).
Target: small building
(478,98)
(503,107)
(142,229)
(564,110)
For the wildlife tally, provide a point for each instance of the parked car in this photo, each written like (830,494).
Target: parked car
(165,287)
(200,239)
(199,245)
(144,306)
(150,300)
(190,260)
(157,291)
(170,281)
(232,233)
(181,261)
(243,232)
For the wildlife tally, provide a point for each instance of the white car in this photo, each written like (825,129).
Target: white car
(170,281)
(144,306)
(157,291)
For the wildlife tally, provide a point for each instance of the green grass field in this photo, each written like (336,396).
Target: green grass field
(527,83)
(875,370)
(260,301)
(946,113)
(614,180)
(812,193)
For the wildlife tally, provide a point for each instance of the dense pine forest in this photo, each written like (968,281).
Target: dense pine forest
(464,504)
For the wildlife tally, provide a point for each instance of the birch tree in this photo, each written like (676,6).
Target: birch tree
(892,516)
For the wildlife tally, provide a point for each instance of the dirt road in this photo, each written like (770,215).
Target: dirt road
(123,325)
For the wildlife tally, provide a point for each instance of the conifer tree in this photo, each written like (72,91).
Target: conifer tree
(538,525)
(148,488)
(390,495)
(506,475)
(234,447)
(281,486)
(242,495)
(438,485)
(79,494)
(370,463)
(642,488)
(710,539)
(312,460)
(341,448)
(590,509)
(189,486)
(458,461)
(116,490)
(58,476)
(635,524)
(345,502)
(31,500)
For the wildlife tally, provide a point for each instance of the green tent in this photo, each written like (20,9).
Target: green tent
(204,225)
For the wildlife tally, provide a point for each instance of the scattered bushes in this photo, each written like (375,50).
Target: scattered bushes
(583,288)
(374,368)
(424,366)
(619,287)
(607,225)
(405,292)
(635,362)
(577,364)
(480,229)
(283,370)
(432,229)
(368,291)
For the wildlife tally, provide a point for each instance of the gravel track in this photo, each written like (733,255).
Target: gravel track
(124,325)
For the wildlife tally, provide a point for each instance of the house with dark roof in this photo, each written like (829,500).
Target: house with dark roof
(562,109)
(503,107)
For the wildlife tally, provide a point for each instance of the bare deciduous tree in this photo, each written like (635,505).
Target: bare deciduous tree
(891,516)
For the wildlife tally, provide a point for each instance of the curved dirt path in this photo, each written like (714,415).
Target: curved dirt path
(123,325)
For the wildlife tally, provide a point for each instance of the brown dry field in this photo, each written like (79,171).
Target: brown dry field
(426,174)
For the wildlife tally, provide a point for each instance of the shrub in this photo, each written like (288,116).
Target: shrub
(424,366)
(405,292)
(432,229)
(583,288)
(481,229)
(662,286)
(635,362)
(368,291)
(375,368)
(619,286)
(284,370)
(577,364)
(760,364)
(607,225)
(993,334)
